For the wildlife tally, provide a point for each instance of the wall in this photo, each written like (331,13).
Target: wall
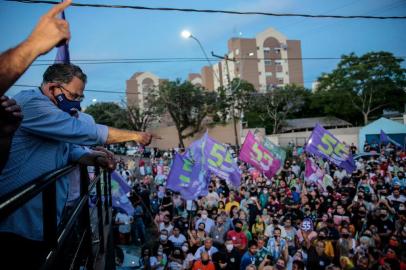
(224,134)
(347,135)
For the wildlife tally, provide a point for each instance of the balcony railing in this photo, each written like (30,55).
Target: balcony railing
(90,248)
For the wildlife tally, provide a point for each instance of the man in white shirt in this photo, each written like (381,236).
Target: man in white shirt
(177,238)
(207,247)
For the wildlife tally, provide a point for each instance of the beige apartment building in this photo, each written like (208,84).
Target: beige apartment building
(267,61)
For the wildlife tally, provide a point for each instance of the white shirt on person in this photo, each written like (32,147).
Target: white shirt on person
(201,249)
(177,241)
(123,218)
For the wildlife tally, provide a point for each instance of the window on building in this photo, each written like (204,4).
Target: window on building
(268,62)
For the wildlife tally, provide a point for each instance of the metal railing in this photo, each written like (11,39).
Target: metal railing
(78,222)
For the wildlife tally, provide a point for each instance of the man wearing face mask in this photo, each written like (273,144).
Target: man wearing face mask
(167,246)
(204,263)
(238,237)
(208,222)
(385,225)
(48,139)
(232,255)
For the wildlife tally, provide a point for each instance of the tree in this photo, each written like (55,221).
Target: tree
(187,105)
(233,101)
(275,106)
(109,113)
(141,118)
(370,83)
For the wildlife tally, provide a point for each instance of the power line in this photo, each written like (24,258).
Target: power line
(232,12)
(86,90)
(46,62)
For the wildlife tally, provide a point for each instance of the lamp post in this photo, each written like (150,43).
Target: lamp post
(187,34)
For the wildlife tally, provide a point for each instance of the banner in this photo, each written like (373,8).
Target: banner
(220,162)
(258,156)
(323,144)
(275,150)
(215,158)
(313,173)
(188,178)
(119,190)
(384,138)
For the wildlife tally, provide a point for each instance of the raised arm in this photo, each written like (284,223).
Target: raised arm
(49,32)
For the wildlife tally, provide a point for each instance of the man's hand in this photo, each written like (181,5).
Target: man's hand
(10,116)
(98,158)
(50,30)
(145,138)
(103,160)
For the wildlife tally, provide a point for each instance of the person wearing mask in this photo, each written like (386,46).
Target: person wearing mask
(208,222)
(385,225)
(238,237)
(166,224)
(218,232)
(49,31)
(177,238)
(249,256)
(277,246)
(203,263)
(290,235)
(233,256)
(345,244)
(189,258)
(164,243)
(207,247)
(49,138)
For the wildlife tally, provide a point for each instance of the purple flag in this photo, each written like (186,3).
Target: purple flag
(219,161)
(323,144)
(62,55)
(119,190)
(258,156)
(187,177)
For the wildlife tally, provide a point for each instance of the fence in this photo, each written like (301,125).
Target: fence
(63,252)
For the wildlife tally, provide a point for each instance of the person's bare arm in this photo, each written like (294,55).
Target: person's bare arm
(121,135)
(49,32)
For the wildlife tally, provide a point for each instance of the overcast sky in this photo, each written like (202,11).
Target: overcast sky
(118,34)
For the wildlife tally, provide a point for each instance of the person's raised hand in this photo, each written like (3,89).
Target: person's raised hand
(50,31)
(10,116)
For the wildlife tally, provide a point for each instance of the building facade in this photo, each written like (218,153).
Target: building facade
(139,86)
(267,61)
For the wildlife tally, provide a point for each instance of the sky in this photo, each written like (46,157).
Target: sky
(101,33)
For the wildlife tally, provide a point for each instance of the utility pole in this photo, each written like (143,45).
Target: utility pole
(231,91)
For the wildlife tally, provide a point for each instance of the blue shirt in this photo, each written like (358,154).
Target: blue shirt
(47,139)
(247,259)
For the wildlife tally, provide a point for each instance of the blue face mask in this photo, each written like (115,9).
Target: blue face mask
(66,105)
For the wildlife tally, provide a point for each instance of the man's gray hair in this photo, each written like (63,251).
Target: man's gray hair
(63,73)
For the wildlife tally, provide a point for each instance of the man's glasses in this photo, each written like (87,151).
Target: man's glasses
(75,97)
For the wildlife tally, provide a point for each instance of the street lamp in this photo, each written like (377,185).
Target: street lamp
(187,34)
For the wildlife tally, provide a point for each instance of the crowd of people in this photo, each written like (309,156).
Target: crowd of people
(288,222)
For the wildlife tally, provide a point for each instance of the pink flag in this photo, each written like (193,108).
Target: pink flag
(258,156)
(313,173)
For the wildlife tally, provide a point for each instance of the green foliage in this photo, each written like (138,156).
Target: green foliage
(187,104)
(369,83)
(109,113)
(231,102)
(279,104)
